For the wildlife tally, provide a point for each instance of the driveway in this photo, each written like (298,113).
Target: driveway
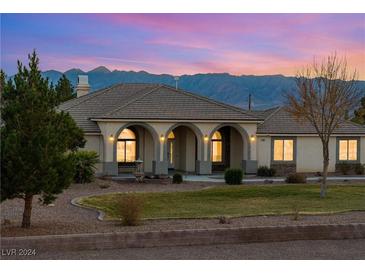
(298,250)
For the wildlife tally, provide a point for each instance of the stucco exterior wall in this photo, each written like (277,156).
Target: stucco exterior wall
(263,151)
(308,152)
(95,143)
(362,150)
(236,149)
(145,148)
(310,157)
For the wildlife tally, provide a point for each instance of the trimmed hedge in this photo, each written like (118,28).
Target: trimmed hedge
(359,169)
(177,178)
(296,178)
(233,176)
(344,168)
(265,171)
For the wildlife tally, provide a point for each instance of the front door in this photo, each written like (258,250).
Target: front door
(170,153)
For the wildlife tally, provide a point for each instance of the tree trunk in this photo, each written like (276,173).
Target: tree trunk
(325,171)
(324,179)
(27,210)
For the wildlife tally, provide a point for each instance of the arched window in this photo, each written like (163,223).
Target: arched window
(217,147)
(126,146)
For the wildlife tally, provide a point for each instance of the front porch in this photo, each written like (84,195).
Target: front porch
(187,148)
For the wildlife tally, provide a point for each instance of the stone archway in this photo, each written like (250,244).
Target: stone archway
(232,141)
(146,147)
(184,151)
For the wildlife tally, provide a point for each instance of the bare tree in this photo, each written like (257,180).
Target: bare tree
(326,92)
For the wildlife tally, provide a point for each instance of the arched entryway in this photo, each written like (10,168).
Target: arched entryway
(183,148)
(135,142)
(228,147)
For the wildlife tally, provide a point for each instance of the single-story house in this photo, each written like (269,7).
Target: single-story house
(171,129)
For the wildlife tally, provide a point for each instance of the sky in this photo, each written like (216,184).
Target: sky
(239,44)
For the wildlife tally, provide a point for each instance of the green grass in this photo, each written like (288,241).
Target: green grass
(239,201)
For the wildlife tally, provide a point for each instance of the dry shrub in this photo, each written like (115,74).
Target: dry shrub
(130,208)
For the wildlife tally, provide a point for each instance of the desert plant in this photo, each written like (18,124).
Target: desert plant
(177,178)
(296,178)
(359,169)
(296,213)
(84,163)
(104,185)
(265,171)
(130,207)
(344,168)
(224,220)
(233,176)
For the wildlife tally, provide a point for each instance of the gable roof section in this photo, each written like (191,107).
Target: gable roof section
(282,122)
(100,102)
(167,103)
(147,102)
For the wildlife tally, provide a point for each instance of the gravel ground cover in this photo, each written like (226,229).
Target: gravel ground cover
(64,218)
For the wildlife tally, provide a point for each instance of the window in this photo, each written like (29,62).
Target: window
(347,150)
(126,146)
(284,150)
(217,147)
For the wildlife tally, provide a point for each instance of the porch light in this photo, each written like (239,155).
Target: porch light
(252,138)
(206,138)
(162,138)
(111,138)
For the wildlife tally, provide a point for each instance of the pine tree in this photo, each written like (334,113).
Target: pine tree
(360,113)
(64,89)
(36,139)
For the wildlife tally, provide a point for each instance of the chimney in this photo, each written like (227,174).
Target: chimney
(82,87)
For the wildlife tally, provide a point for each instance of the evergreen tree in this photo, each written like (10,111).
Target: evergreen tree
(64,89)
(360,113)
(35,139)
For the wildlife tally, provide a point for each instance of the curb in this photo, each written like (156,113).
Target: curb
(117,240)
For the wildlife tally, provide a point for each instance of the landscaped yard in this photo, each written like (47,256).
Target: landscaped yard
(239,201)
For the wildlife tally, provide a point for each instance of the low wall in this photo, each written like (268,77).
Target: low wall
(184,237)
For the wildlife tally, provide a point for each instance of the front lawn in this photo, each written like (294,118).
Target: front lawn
(239,201)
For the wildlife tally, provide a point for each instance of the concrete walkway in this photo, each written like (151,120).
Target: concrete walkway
(220,179)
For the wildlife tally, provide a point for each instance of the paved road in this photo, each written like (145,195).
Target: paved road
(335,249)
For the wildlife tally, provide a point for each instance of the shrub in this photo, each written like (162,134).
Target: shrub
(344,168)
(84,164)
(104,185)
(224,220)
(296,213)
(177,178)
(233,176)
(265,171)
(296,178)
(359,169)
(130,208)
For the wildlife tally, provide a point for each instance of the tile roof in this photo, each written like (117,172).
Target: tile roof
(279,121)
(149,101)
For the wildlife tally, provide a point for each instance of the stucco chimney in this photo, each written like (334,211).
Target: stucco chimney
(82,87)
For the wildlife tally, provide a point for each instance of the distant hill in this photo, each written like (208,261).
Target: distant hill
(266,90)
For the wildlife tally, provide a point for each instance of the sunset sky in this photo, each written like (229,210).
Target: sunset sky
(178,44)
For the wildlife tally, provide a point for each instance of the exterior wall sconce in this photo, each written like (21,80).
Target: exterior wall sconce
(206,138)
(252,138)
(111,138)
(162,138)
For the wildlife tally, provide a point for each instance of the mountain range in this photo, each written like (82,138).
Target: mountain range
(267,91)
